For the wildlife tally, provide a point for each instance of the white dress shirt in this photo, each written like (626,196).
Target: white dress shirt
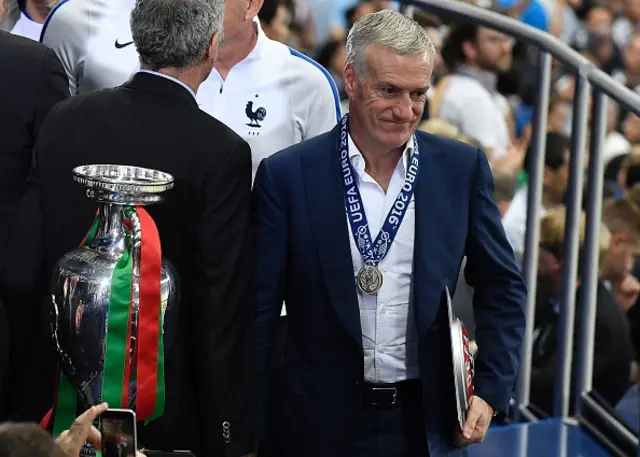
(388,328)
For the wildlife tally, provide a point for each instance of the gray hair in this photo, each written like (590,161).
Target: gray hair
(388,28)
(175,33)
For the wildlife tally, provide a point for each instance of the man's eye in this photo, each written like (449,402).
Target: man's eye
(388,90)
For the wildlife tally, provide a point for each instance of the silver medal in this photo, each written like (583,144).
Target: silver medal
(369,279)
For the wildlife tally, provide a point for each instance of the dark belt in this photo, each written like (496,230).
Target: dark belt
(390,394)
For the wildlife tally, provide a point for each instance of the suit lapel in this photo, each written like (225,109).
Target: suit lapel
(325,198)
(427,265)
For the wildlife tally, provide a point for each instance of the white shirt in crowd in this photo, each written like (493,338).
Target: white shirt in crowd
(274,98)
(388,328)
(477,113)
(27,28)
(515,220)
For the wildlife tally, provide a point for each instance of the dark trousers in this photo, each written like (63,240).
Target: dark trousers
(393,431)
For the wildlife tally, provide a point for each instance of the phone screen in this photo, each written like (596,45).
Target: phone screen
(118,429)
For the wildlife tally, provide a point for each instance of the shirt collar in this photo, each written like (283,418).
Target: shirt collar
(357,159)
(171,78)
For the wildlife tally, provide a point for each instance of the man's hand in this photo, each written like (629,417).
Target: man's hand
(82,431)
(478,419)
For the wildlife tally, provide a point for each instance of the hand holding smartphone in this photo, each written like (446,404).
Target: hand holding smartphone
(119,435)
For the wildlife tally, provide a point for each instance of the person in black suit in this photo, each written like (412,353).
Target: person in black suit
(31,83)
(613,351)
(153,121)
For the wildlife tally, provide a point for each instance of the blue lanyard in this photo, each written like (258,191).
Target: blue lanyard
(374,251)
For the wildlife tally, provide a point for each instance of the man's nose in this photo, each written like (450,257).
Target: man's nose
(403,109)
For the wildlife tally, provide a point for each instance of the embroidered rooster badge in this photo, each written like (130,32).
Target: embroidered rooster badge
(255,116)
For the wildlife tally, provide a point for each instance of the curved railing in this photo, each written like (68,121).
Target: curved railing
(602,86)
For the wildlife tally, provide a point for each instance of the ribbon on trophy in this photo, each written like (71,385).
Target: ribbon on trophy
(147,364)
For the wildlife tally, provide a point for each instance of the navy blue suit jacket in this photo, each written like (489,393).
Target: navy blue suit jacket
(303,256)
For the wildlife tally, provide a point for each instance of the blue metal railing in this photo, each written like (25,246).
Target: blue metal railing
(603,86)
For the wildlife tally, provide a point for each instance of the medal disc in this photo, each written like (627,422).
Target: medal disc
(369,279)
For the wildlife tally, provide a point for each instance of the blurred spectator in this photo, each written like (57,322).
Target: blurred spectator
(27,440)
(275,19)
(629,75)
(301,25)
(622,218)
(614,143)
(631,129)
(554,186)
(613,351)
(4,9)
(626,25)
(446,130)
(432,25)
(357,11)
(32,15)
(615,176)
(333,57)
(504,192)
(468,98)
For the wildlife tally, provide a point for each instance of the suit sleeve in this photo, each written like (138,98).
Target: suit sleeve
(499,294)
(222,312)
(53,87)
(270,247)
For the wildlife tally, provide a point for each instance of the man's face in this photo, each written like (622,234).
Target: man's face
(491,50)
(236,19)
(558,116)
(599,22)
(279,30)
(619,258)
(632,10)
(389,99)
(632,55)
(556,181)
(631,128)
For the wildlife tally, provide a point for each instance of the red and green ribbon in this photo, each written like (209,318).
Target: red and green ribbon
(149,351)
(150,355)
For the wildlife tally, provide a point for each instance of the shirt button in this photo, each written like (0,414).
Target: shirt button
(383,309)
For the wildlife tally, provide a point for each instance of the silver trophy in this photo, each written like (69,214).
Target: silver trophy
(81,284)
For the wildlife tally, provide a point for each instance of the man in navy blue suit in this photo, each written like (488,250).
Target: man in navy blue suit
(360,230)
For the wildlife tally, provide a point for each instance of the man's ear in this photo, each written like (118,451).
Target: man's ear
(214,45)
(253,8)
(350,78)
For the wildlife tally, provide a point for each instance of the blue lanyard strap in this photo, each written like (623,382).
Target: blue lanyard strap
(373,251)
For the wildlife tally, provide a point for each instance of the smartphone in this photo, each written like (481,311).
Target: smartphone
(119,436)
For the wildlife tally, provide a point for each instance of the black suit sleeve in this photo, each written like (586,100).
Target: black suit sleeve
(222,316)
(53,87)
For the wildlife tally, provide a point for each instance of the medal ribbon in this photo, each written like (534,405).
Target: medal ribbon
(373,251)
